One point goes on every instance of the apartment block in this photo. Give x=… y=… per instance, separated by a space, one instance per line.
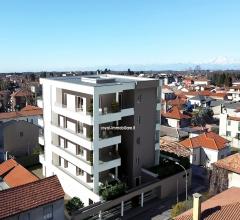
x=99 y=128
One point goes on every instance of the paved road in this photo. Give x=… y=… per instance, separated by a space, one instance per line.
x=161 y=209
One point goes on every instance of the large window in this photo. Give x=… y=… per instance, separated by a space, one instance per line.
x=65 y=163
x=228 y=133
x=229 y=122
x=79 y=150
x=79 y=172
x=79 y=103
x=48 y=212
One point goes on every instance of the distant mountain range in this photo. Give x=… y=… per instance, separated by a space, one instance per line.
x=219 y=63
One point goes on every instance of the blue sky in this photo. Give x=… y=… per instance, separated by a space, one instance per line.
x=74 y=34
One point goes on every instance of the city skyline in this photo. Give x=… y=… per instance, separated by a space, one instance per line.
x=77 y=35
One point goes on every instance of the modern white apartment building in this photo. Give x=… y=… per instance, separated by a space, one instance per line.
x=99 y=128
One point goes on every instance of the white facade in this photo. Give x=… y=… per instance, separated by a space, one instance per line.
x=229 y=128
x=205 y=156
x=76 y=149
x=233 y=180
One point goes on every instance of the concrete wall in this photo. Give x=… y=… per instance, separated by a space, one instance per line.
x=233 y=180
x=37 y=213
x=16 y=144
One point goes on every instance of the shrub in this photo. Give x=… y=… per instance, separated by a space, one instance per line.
x=74 y=204
x=115 y=106
x=178 y=209
x=112 y=191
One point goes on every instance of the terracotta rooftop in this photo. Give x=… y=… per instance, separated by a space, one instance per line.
x=223 y=206
x=27 y=111
x=175 y=113
x=14 y=174
x=21 y=92
x=29 y=196
x=231 y=163
x=178 y=101
x=208 y=140
x=175 y=148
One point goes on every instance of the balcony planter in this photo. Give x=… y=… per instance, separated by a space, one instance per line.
x=115 y=107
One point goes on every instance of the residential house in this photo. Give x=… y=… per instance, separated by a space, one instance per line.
x=224 y=206
x=41 y=199
x=200 y=101
x=20 y=99
x=201 y=81
x=207 y=148
x=229 y=125
x=17 y=138
x=233 y=93
x=81 y=116
x=225 y=173
x=175 y=118
x=31 y=114
x=13 y=174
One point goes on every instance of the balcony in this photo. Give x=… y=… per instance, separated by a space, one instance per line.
x=60 y=171
x=41 y=140
x=77 y=161
x=41 y=158
x=79 y=113
x=40 y=102
x=108 y=116
x=40 y=122
x=72 y=136
x=109 y=161
x=109 y=140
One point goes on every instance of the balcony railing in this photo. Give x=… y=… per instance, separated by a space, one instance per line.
x=113 y=155
x=79 y=110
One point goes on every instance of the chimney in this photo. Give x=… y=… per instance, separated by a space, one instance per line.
x=197 y=206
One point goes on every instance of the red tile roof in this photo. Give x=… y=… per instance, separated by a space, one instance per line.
x=15 y=174
x=27 y=111
x=7 y=165
x=177 y=101
x=231 y=163
x=21 y=92
x=209 y=140
x=223 y=206
x=175 y=113
x=29 y=196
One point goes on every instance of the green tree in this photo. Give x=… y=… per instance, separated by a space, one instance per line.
x=202 y=117
x=74 y=204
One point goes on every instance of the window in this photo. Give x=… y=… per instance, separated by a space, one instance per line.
x=32 y=121
x=79 y=103
x=48 y=212
x=228 y=133
x=139 y=99
x=65 y=163
x=90 y=201
x=239 y=126
x=80 y=127
x=59 y=161
x=229 y=122
x=21 y=134
x=138 y=140
x=79 y=150
x=79 y=172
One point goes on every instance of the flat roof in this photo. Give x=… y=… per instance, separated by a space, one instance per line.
x=101 y=80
